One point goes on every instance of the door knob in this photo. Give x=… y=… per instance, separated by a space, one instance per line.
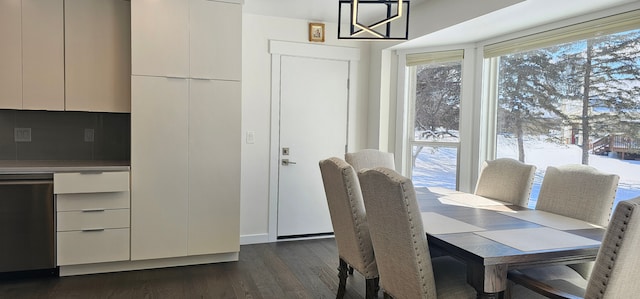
x=286 y=162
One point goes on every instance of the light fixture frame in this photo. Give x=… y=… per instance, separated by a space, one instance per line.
x=356 y=28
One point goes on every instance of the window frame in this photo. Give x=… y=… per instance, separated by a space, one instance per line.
x=469 y=127
x=411 y=120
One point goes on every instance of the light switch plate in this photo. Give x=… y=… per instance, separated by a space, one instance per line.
x=251 y=137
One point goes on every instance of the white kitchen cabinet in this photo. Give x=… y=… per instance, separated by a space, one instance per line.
x=92 y=246
x=97 y=55
x=214 y=167
x=186 y=39
x=31 y=55
x=92 y=217
x=160 y=38
x=185 y=164
x=159 y=167
x=216 y=40
x=42 y=55
x=185 y=122
x=10 y=54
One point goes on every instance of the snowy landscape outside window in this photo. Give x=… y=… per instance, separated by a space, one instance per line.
x=573 y=103
x=434 y=139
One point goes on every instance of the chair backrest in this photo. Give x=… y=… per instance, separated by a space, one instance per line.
x=370 y=158
x=348 y=216
x=578 y=191
x=617 y=269
x=397 y=233
x=506 y=180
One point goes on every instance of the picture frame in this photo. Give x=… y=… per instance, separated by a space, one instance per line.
x=316 y=32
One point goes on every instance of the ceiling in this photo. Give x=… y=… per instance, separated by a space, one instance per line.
x=521 y=16
x=312 y=10
x=517 y=17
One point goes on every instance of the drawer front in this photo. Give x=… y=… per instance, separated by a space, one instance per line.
x=92 y=219
x=84 y=201
x=78 y=182
x=79 y=247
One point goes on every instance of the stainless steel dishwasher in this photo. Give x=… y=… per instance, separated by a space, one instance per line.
x=27 y=242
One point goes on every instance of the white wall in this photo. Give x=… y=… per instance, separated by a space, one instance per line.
x=257 y=30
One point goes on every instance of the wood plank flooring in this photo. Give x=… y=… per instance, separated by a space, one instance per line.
x=293 y=269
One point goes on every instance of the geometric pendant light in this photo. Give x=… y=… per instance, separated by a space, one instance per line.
x=373 y=19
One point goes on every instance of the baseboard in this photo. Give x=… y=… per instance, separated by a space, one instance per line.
x=147 y=264
x=254 y=239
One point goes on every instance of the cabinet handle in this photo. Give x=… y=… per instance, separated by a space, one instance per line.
x=92 y=229
x=92 y=210
x=89 y=172
x=175 y=77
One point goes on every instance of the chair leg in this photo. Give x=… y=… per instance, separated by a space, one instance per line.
x=350 y=270
x=372 y=288
x=342 y=275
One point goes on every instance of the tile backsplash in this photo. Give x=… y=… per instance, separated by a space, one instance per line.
x=64 y=135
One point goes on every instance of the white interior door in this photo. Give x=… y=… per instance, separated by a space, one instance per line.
x=313 y=126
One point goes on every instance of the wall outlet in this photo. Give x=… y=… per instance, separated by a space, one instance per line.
x=22 y=134
x=88 y=135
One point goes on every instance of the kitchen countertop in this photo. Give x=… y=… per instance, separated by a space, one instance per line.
x=48 y=166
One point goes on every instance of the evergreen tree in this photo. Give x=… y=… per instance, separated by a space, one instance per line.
x=607 y=72
x=528 y=95
x=601 y=75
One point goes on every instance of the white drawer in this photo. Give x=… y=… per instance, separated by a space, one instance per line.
x=79 y=247
x=78 y=182
x=84 y=201
x=92 y=219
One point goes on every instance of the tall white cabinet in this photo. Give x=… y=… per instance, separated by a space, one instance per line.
x=185 y=122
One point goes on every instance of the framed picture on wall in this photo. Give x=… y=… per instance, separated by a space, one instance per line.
x=316 y=32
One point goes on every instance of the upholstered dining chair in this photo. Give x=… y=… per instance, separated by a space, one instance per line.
x=349 y=222
x=576 y=191
x=617 y=266
x=402 y=253
x=507 y=180
x=370 y=158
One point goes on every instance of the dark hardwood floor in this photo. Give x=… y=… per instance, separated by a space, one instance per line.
x=293 y=269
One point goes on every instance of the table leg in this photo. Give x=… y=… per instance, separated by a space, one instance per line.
x=489 y=281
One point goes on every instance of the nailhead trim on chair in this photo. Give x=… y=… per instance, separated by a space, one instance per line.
x=413 y=233
x=357 y=219
x=615 y=251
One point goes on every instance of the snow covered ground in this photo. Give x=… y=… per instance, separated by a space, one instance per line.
x=436 y=167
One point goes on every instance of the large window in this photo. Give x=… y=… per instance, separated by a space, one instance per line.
x=433 y=141
x=574 y=100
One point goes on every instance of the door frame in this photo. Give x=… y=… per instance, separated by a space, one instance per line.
x=277 y=49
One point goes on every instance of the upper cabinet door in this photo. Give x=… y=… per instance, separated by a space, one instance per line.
x=97 y=51
x=42 y=55
x=160 y=38
x=216 y=40
x=10 y=55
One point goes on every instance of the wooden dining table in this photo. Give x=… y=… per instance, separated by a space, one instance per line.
x=492 y=237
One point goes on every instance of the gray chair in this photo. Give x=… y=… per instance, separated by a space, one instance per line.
x=580 y=192
x=506 y=180
x=370 y=158
x=617 y=266
x=399 y=240
x=349 y=224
